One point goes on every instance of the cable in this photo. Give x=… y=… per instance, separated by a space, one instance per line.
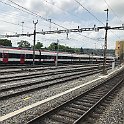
x=7 y=31
x=88 y=37
x=37 y=15
x=61 y=9
x=73 y=15
x=13 y=14
x=89 y=12
x=115 y=15
x=18 y=9
x=113 y=11
x=29 y=11
x=14 y=23
x=32 y=13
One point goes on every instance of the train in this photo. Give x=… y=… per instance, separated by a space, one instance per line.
x=13 y=55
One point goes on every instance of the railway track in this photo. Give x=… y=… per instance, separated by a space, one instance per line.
x=40 y=73
x=37 y=86
x=25 y=69
x=48 y=78
x=85 y=108
x=22 y=69
x=19 y=86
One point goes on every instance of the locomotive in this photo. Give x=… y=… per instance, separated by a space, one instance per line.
x=12 y=55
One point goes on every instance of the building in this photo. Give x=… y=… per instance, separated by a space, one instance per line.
x=119 y=50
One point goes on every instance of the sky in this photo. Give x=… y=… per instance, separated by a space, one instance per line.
x=17 y=16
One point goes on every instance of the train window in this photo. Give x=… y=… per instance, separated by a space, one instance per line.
x=43 y=57
x=49 y=57
x=65 y=57
x=69 y=57
x=29 y=56
x=75 y=57
x=52 y=57
x=37 y=57
x=0 y=55
x=12 y=55
x=5 y=55
x=59 y=57
x=22 y=56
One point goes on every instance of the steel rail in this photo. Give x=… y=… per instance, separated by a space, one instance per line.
x=96 y=104
x=46 y=114
x=57 y=80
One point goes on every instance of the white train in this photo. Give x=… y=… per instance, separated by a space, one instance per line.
x=11 y=55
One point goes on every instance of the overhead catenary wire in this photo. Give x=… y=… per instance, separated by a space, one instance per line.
x=62 y=9
x=93 y=16
x=33 y=13
x=73 y=15
x=7 y=31
x=18 y=9
x=114 y=14
x=12 y=22
x=12 y=15
x=15 y=24
x=113 y=11
x=89 y=12
x=37 y=15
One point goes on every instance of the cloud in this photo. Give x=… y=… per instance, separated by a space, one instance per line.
x=66 y=13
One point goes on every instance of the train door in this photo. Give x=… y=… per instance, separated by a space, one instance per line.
x=5 y=56
x=22 y=58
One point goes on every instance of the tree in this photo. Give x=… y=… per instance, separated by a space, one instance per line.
x=53 y=46
x=23 y=44
x=81 y=50
x=38 y=45
x=5 y=42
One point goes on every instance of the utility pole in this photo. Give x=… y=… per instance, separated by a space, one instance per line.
x=56 y=63
x=35 y=23
x=105 y=45
x=50 y=23
x=22 y=26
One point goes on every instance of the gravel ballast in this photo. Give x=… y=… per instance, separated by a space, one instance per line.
x=114 y=113
x=39 y=95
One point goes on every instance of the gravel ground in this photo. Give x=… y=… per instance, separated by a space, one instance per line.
x=25 y=81
x=24 y=117
x=114 y=113
x=37 y=82
x=29 y=81
x=27 y=99
x=43 y=72
x=37 y=68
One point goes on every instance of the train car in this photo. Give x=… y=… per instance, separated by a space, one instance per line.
x=11 y=55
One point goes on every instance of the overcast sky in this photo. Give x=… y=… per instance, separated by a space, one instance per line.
x=66 y=13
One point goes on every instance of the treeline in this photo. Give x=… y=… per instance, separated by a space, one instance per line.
x=54 y=47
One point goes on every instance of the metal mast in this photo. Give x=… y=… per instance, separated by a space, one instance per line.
x=35 y=23
x=105 y=45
